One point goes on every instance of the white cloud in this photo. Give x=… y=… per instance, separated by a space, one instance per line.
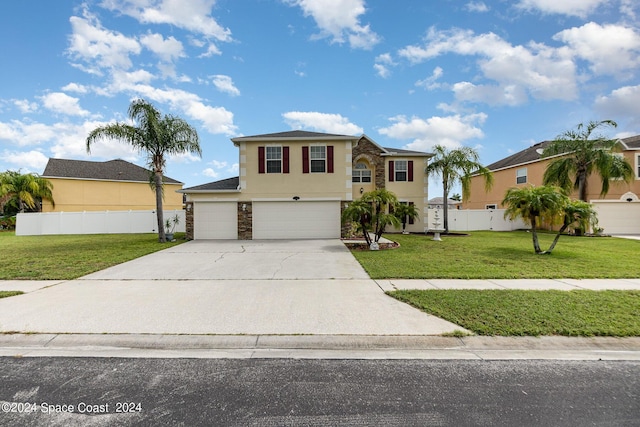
x=431 y=82
x=321 y=122
x=26 y=161
x=383 y=64
x=75 y=87
x=580 y=8
x=225 y=84
x=340 y=20
x=210 y=173
x=67 y=140
x=98 y=47
x=622 y=102
x=168 y=50
x=25 y=106
x=449 y=131
x=490 y=94
x=193 y=15
x=610 y=49
x=477 y=6
x=62 y=103
x=536 y=69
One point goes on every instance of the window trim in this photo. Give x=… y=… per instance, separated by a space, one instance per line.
x=519 y=176
x=396 y=170
x=357 y=173
x=323 y=159
x=274 y=160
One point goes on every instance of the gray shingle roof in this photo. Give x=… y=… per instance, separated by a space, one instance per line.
x=112 y=170
x=531 y=154
x=407 y=152
x=224 y=184
x=297 y=134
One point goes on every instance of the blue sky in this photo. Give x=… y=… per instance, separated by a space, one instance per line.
x=494 y=75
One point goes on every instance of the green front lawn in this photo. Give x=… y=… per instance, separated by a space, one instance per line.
x=502 y=255
x=71 y=256
x=518 y=313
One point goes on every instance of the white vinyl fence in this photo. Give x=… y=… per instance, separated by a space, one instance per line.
x=478 y=219
x=102 y=222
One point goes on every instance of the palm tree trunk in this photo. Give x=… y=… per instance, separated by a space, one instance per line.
x=159 y=212
x=534 y=235
x=555 y=240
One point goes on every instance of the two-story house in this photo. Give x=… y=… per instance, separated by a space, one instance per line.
x=295 y=185
x=616 y=211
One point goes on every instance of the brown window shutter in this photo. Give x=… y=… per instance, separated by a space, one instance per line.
x=411 y=220
x=261 y=162
x=285 y=159
x=410 y=170
x=330 y=159
x=391 y=171
x=305 y=159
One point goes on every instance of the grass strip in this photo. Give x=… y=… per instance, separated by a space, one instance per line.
x=502 y=255
x=532 y=313
x=64 y=257
x=6 y=294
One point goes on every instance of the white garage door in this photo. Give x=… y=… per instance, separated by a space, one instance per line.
x=618 y=218
x=215 y=220
x=296 y=220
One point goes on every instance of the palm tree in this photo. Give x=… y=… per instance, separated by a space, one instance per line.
x=158 y=136
x=370 y=213
x=547 y=203
x=24 y=190
x=582 y=154
x=404 y=212
x=453 y=166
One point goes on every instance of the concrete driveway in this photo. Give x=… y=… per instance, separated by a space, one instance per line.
x=242 y=260
x=227 y=288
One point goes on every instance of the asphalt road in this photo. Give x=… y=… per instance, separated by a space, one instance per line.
x=289 y=392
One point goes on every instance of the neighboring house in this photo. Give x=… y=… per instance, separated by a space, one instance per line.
x=296 y=184
x=527 y=168
x=114 y=185
x=438 y=203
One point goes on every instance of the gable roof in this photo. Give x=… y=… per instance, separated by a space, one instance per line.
x=112 y=170
x=533 y=154
x=294 y=135
x=389 y=151
x=229 y=184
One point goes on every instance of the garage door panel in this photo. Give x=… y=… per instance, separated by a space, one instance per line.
x=215 y=220
x=296 y=220
x=618 y=218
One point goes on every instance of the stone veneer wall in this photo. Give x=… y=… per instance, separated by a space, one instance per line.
x=372 y=153
x=245 y=221
x=188 y=220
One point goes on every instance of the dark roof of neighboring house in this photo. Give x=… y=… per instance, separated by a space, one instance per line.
x=112 y=170
x=632 y=141
x=224 y=184
x=532 y=154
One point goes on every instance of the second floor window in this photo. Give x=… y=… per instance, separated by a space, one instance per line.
x=400 y=170
x=318 y=156
x=521 y=176
x=361 y=173
x=274 y=159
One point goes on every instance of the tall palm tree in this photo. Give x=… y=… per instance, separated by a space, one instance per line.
x=156 y=135
x=453 y=166
x=582 y=154
x=547 y=203
x=24 y=190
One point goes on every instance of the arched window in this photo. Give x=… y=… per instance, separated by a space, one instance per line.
x=361 y=173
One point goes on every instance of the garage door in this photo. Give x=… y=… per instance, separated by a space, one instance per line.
x=215 y=220
x=618 y=218
x=296 y=220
